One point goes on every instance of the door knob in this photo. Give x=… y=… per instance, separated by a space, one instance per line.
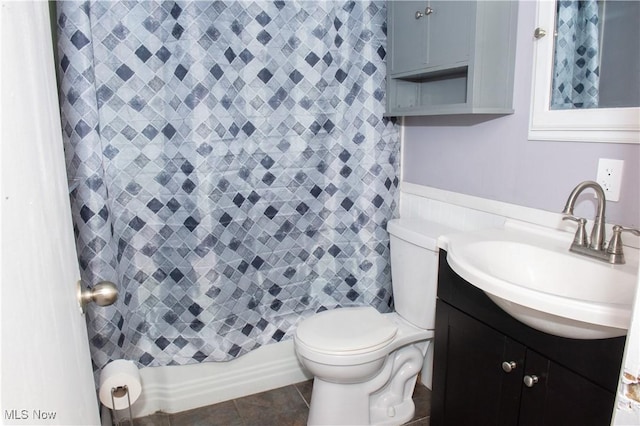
x=509 y=366
x=104 y=293
x=530 y=380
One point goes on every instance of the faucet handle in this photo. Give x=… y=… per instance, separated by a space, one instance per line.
x=633 y=231
x=615 y=244
x=580 y=238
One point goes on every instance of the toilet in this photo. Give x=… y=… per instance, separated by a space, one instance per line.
x=365 y=363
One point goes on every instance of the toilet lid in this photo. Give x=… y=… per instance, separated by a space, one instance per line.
x=346 y=330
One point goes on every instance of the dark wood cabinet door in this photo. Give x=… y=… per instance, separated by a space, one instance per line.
x=470 y=386
x=562 y=397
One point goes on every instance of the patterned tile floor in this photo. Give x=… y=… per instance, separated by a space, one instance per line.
x=283 y=406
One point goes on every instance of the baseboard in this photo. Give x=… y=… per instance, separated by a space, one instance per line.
x=174 y=389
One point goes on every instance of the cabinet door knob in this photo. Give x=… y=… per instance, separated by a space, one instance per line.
x=509 y=366
x=428 y=11
x=530 y=380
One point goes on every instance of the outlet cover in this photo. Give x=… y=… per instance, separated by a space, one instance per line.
x=610 y=177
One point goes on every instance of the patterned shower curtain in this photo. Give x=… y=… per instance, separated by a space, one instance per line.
x=229 y=168
x=576 y=70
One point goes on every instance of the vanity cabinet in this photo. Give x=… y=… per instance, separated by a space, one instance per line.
x=450 y=57
x=491 y=369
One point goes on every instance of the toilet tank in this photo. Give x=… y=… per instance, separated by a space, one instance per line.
x=414 y=268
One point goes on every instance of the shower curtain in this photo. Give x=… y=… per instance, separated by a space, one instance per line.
x=576 y=70
x=229 y=168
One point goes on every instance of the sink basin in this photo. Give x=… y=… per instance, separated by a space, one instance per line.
x=529 y=272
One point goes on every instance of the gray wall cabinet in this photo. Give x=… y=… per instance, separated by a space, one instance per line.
x=450 y=57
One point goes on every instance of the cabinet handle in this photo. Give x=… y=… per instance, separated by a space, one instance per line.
x=419 y=14
x=428 y=11
x=530 y=380
x=509 y=366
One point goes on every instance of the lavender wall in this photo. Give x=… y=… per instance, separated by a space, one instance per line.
x=494 y=159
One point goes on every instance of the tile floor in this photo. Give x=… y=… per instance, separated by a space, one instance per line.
x=279 y=407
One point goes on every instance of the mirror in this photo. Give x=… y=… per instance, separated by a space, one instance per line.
x=596 y=54
x=586 y=84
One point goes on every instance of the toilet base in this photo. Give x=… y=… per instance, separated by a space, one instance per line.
x=385 y=399
x=394 y=415
x=338 y=404
x=393 y=404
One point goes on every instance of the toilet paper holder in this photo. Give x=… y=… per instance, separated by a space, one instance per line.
x=120 y=392
x=120 y=387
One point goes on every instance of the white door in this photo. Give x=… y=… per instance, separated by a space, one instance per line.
x=46 y=367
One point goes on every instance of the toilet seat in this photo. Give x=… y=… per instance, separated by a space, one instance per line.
x=346 y=331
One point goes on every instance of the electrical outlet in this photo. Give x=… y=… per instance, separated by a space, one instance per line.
x=610 y=177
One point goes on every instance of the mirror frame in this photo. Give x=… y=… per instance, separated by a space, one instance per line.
x=614 y=125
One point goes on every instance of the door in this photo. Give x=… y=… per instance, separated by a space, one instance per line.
x=46 y=366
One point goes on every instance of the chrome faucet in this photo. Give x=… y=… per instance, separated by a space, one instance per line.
x=597 y=232
x=596 y=247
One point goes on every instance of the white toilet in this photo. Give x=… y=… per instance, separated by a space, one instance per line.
x=365 y=363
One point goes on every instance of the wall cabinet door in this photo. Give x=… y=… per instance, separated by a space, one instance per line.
x=407 y=51
x=428 y=35
x=449 y=33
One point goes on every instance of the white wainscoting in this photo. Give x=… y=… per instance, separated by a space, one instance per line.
x=468 y=213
